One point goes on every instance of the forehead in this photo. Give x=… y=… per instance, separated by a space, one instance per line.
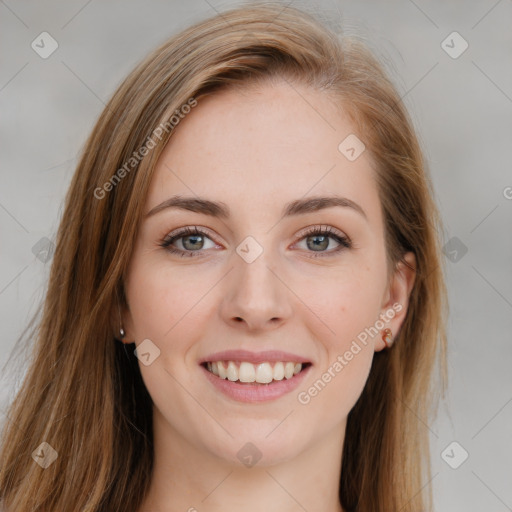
x=265 y=145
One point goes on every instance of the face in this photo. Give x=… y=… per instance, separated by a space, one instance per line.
x=263 y=284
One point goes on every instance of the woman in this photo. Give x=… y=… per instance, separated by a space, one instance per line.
x=253 y=215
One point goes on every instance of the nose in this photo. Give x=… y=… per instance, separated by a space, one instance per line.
x=256 y=295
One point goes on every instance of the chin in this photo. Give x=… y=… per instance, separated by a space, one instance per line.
x=257 y=446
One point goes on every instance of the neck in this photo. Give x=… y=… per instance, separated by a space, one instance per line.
x=188 y=478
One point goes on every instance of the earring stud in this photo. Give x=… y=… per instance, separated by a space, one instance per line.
x=386 y=337
x=122 y=334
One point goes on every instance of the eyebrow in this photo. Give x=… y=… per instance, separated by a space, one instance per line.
x=221 y=210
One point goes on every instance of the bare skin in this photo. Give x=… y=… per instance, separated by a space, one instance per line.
x=255 y=152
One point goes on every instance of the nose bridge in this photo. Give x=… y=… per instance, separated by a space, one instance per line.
x=256 y=295
x=254 y=280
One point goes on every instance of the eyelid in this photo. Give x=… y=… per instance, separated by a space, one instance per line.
x=344 y=242
x=305 y=231
x=324 y=227
x=338 y=236
x=187 y=231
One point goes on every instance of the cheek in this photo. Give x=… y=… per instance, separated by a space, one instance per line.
x=162 y=300
x=335 y=390
x=358 y=307
x=352 y=312
x=347 y=303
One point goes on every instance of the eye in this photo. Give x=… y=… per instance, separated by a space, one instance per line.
x=191 y=239
x=318 y=238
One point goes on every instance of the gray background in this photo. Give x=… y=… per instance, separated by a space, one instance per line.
x=461 y=107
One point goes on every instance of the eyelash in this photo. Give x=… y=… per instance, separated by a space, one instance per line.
x=315 y=230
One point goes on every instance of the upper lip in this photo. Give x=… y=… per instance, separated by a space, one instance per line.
x=254 y=357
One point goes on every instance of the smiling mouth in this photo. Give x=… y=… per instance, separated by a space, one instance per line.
x=243 y=372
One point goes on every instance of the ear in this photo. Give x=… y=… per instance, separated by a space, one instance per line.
x=122 y=318
x=396 y=297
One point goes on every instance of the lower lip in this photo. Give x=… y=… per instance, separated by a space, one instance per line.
x=256 y=392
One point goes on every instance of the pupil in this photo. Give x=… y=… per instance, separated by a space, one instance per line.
x=196 y=237
x=322 y=243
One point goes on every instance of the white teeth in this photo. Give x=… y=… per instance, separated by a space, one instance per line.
x=232 y=371
x=221 y=370
x=262 y=373
x=279 y=371
x=246 y=372
x=288 y=370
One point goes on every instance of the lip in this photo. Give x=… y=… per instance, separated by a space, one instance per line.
x=270 y=356
x=249 y=392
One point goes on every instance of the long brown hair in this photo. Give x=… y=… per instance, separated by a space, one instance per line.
x=83 y=393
